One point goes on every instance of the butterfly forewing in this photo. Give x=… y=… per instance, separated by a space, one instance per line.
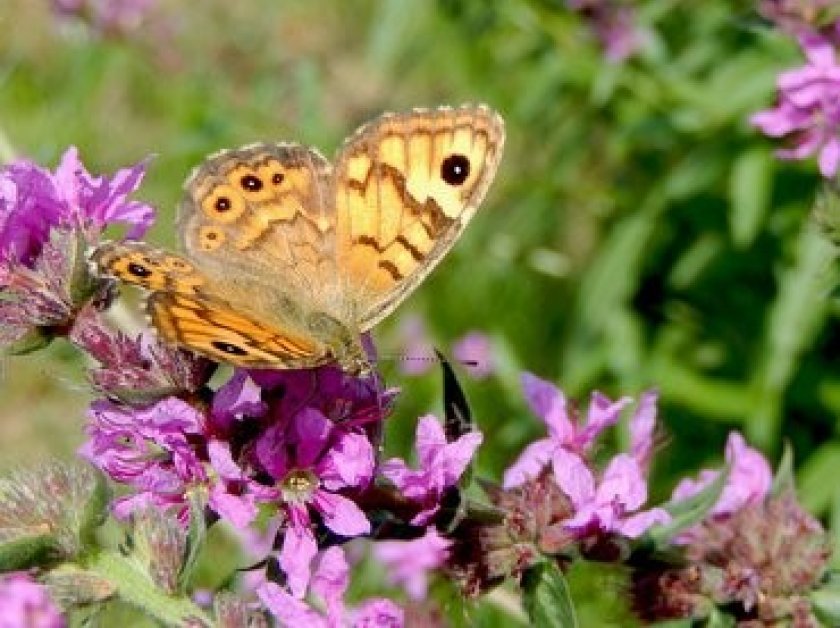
x=406 y=186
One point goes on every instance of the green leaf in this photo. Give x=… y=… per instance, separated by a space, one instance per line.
x=96 y=511
x=196 y=536
x=784 y=481
x=546 y=598
x=749 y=195
x=28 y=551
x=826 y=600
x=33 y=340
x=816 y=491
x=687 y=512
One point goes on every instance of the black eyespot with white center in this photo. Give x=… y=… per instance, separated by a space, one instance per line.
x=222 y=204
x=455 y=169
x=230 y=349
x=277 y=178
x=138 y=270
x=251 y=183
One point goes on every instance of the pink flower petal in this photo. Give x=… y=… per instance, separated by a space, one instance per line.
x=289 y=610
x=573 y=477
x=548 y=403
x=299 y=548
x=349 y=463
x=341 y=515
x=530 y=463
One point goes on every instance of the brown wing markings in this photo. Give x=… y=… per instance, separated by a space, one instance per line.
x=229 y=336
x=141 y=265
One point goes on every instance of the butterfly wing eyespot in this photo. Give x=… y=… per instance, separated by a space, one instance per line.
x=141 y=265
x=212 y=328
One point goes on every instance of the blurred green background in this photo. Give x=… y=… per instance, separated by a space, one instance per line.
x=639 y=233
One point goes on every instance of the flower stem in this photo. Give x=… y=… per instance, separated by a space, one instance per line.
x=7 y=151
x=136 y=588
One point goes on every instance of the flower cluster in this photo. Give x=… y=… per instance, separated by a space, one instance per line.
x=757 y=553
x=300 y=452
x=47 y=221
x=108 y=17
x=809 y=107
x=614 y=25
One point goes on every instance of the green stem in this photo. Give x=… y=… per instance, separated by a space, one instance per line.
x=7 y=151
x=135 y=587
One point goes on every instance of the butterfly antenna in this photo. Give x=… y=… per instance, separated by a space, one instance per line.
x=435 y=359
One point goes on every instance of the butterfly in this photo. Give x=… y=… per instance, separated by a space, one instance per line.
x=289 y=258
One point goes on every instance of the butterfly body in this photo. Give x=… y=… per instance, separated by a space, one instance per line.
x=290 y=259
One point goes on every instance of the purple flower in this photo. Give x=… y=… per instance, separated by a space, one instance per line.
x=312 y=462
x=139 y=370
x=147 y=448
x=567 y=440
x=419 y=353
x=809 y=107
x=441 y=465
x=407 y=563
x=111 y=17
x=614 y=25
x=749 y=481
x=475 y=348
x=25 y=604
x=608 y=507
x=800 y=17
x=34 y=201
x=329 y=584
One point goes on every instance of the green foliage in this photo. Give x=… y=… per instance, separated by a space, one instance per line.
x=640 y=233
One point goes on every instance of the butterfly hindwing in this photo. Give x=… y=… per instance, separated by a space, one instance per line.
x=215 y=330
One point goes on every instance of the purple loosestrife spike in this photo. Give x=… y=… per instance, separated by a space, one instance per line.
x=58 y=500
x=35 y=201
x=485 y=552
x=139 y=370
x=755 y=554
x=441 y=465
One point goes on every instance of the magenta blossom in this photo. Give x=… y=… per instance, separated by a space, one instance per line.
x=567 y=440
x=25 y=603
x=419 y=351
x=313 y=462
x=34 y=201
x=614 y=25
x=106 y=16
x=441 y=465
x=329 y=584
x=808 y=107
x=476 y=349
x=749 y=481
x=609 y=507
x=148 y=449
x=407 y=563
